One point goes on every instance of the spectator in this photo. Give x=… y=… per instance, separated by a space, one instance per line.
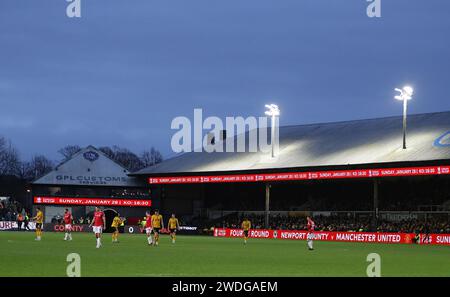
x=20 y=220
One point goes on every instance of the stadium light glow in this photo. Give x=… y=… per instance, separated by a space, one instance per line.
x=273 y=111
x=404 y=95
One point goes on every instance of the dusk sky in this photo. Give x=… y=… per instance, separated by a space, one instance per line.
x=119 y=74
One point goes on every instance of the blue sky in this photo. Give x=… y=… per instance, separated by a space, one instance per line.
x=123 y=71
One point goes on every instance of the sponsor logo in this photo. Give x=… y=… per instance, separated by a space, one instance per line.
x=443 y=140
x=91 y=180
x=91 y=156
x=367 y=237
x=408 y=238
x=12 y=225
x=188 y=228
x=221 y=232
x=62 y=228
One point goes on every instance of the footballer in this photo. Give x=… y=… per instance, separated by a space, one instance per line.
x=148 y=227
x=310 y=226
x=173 y=227
x=246 y=225
x=39 y=219
x=99 y=223
x=157 y=225
x=115 y=224
x=68 y=224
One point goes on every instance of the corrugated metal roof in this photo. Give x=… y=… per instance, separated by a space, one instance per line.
x=330 y=144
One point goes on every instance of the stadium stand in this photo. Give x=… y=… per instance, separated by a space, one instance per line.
x=341 y=223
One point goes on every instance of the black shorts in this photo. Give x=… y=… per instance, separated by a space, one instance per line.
x=116 y=229
x=173 y=230
x=246 y=233
x=156 y=230
x=38 y=225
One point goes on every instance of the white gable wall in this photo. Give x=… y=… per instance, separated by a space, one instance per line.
x=89 y=167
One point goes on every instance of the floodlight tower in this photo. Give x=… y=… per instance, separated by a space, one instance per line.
x=273 y=111
x=405 y=95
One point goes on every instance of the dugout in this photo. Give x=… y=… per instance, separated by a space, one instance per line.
x=361 y=162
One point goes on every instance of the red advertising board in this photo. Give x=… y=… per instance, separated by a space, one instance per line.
x=91 y=201
x=367 y=237
x=310 y=175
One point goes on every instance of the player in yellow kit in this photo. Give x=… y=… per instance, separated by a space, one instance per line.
x=246 y=225
x=157 y=225
x=115 y=224
x=39 y=219
x=173 y=227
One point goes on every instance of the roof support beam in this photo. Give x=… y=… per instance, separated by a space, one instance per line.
x=267 y=213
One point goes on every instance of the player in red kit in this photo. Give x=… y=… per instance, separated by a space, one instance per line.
x=68 y=224
x=148 y=227
x=99 y=223
x=310 y=226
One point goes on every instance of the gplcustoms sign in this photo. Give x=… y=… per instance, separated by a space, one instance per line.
x=312 y=175
x=367 y=237
x=91 y=201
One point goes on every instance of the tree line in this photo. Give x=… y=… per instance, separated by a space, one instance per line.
x=39 y=165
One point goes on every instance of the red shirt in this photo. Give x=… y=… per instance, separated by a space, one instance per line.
x=310 y=225
x=68 y=218
x=98 y=218
x=148 y=222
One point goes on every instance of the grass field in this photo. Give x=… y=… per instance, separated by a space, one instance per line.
x=20 y=255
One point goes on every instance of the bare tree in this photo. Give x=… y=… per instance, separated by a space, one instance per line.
x=107 y=151
x=37 y=167
x=124 y=157
x=69 y=150
x=9 y=158
x=152 y=157
x=2 y=144
x=127 y=159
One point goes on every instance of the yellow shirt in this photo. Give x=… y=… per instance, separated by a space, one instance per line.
x=173 y=223
x=40 y=217
x=116 y=222
x=156 y=221
x=246 y=225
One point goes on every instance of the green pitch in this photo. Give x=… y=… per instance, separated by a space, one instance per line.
x=20 y=255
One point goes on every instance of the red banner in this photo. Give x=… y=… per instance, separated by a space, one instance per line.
x=312 y=175
x=367 y=237
x=91 y=201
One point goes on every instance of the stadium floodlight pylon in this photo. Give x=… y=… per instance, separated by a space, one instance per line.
x=405 y=95
x=273 y=111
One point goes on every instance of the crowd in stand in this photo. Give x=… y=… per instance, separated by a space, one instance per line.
x=342 y=223
x=10 y=209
